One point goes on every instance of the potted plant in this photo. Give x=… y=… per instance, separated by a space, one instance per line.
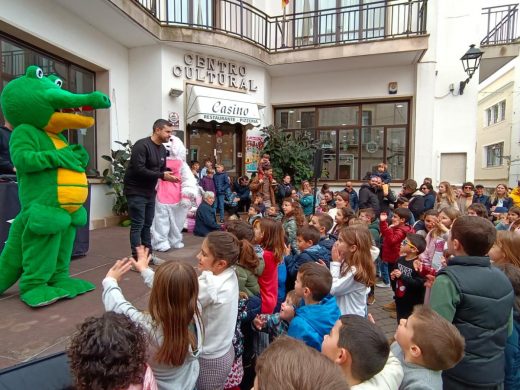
x=290 y=155
x=114 y=176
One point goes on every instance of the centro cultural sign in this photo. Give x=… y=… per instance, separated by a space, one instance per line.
x=214 y=71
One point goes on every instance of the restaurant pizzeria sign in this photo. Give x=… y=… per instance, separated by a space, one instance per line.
x=215 y=72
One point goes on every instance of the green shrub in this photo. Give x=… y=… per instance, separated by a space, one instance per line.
x=290 y=155
x=114 y=176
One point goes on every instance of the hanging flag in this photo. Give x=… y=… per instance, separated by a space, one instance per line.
x=285 y=3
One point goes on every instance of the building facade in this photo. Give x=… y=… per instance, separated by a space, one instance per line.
x=494 y=131
x=370 y=80
x=498 y=134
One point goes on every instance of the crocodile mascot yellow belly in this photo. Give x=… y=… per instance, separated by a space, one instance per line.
x=52 y=186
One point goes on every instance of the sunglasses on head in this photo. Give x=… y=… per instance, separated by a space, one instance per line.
x=406 y=242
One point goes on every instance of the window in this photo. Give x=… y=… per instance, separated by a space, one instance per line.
x=192 y=12
x=354 y=137
x=493 y=154
x=327 y=21
x=17 y=56
x=495 y=113
x=338 y=116
x=295 y=118
x=502 y=110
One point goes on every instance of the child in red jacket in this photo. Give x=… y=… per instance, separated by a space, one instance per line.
x=392 y=237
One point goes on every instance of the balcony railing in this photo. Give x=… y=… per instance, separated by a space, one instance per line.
x=310 y=28
x=501 y=22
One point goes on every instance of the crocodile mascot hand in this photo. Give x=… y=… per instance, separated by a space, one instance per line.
x=52 y=186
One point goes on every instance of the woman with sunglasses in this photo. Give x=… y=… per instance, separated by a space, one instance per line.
x=465 y=198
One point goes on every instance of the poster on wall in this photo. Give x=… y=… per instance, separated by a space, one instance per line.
x=254 y=145
x=173 y=117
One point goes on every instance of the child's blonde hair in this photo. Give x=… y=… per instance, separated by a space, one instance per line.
x=452 y=213
x=509 y=243
x=361 y=259
x=450 y=195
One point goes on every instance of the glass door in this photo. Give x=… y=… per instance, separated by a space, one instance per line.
x=220 y=142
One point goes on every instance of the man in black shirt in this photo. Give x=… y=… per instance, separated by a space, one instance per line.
x=147 y=165
x=6 y=165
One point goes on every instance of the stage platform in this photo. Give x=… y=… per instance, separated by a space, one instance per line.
x=27 y=333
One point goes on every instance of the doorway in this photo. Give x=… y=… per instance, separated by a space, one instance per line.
x=220 y=142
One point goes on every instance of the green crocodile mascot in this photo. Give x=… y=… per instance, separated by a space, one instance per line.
x=52 y=186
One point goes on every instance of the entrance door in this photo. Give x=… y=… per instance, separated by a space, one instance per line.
x=220 y=142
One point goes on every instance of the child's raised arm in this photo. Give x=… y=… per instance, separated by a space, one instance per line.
x=120 y=268
x=141 y=265
x=113 y=298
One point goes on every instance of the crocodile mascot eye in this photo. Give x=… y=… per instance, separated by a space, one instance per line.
x=56 y=80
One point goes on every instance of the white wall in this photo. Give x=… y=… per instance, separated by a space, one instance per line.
x=446 y=123
x=100 y=203
x=367 y=83
x=145 y=90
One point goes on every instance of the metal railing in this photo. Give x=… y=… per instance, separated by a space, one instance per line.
x=501 y=22
x=311 y=28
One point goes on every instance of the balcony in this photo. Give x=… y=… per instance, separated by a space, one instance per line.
x=282 y=39
x=501 y=42
x=333 y=26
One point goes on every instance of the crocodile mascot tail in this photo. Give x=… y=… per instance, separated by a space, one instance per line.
x=52 y=186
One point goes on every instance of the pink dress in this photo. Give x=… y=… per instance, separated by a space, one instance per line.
x=148 y=382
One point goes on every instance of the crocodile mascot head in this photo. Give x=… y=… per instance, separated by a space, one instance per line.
x=52 y=185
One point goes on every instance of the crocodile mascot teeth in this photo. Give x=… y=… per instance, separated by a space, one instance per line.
x=52 y=186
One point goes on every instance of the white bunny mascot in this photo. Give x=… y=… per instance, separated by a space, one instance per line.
x=173 y=199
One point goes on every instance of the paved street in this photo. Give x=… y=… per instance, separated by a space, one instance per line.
x=27 y=333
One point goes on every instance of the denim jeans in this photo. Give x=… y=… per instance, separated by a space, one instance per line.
x=220 y=205
x=385 y=275
x=141 y=211
x=378 y=263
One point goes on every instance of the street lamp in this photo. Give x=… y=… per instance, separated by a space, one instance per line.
x=470 y=63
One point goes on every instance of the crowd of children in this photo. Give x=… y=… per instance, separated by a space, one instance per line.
x=275 y=290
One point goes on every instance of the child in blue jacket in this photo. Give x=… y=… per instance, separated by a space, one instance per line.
x=319 y=312
x=324 y=223
x=310 y=251
x=222 y=187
